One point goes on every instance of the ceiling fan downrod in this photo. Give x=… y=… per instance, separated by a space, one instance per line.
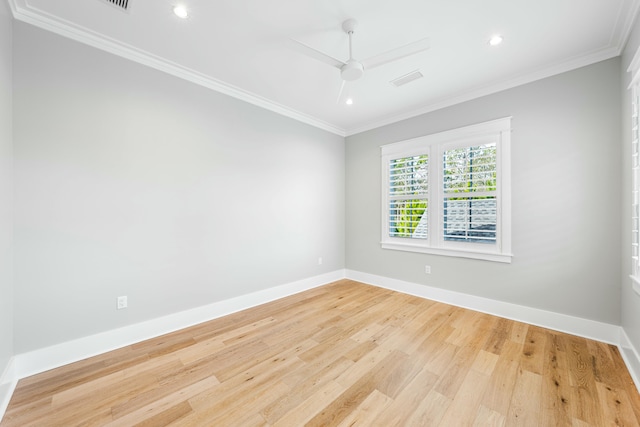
x=352 y=69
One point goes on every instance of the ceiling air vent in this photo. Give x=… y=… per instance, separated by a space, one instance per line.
x=407 y=78
x=120 y=4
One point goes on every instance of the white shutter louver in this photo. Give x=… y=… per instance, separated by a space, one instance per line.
x=470 y=210
x=408 y=197
x=635 y=173
x=449 y=193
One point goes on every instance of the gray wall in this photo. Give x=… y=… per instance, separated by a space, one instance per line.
x=566 y=197
x=630 y=300
x=6 y=188
x=132 y=182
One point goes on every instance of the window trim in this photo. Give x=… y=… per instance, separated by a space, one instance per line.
x=434 y=145
x=634 y=87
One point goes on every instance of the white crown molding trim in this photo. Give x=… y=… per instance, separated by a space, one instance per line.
x=36 y=361
x=586 y=328
x=631 y=357
x=622 y=30
x=8 y=382
x=83 y=35
x=565 y=66
x=45 y=21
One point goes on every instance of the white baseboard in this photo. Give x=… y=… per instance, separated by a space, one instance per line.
x=43 y=359
x=27 y=364
x=631 y=357
x=8 y=382
x=586 y=328
x=604 y=332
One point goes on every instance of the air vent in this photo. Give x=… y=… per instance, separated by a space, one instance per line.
x=407 y=78
x=120 y=4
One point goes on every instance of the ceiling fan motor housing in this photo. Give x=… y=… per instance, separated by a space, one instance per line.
x=352 y=70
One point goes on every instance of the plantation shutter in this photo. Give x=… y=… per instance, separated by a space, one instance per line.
x=470 y=205
x=635 y=173
x=409 y=197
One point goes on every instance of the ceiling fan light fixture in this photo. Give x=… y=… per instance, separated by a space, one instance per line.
x=352 y=70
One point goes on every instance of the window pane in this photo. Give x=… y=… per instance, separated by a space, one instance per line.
x=470 y=169
x=408 y=193
x=408 y=218
x=468 y=219
x=409 y=176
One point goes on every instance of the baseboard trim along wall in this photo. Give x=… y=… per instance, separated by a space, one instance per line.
x=8 y=382
x=630 y=356
x=41 y=360
x=605 y=332
x=37 y=361
x=560 y=322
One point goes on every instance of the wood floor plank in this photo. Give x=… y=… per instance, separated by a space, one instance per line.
x=367 y=413
x=343 y=354
x=466 y=403
x=533 y=350
x=584 y=393
x=488 y=418
x=556 y=385
x=355 y=393
x=497 y=395
x=303 y=384
x=526 y=401
x=173 y=413
x=164 y=405
x=617 y=409
x=305 y=411
x=408 y=400
x=430 y=411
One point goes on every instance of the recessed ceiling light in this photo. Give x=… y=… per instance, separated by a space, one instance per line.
x=349 y=101
x=495 y=40
x=181 y=11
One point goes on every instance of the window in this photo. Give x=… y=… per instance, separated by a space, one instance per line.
x=449 y=193
x=634 y=69
x=635 y=188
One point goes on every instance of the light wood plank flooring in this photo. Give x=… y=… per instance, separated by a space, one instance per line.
x=344 y=354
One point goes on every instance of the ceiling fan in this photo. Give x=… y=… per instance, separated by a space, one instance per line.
x=353 y=69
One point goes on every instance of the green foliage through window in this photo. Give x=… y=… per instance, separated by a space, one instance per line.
x=469 y=184
x=408 y=196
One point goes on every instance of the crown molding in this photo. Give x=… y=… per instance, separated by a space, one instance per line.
x=84 y=35
x=478 y=92
x=627 y=16
x=619 y=36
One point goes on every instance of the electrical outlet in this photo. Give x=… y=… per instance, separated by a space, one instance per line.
x=320 y=261
x=122 y=302
x=427 y=269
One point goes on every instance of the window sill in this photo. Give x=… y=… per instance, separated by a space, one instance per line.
x=486 y=256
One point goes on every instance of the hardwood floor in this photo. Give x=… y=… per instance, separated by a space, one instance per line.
x=344 y=354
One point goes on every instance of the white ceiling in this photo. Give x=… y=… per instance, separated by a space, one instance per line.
x=239 y=47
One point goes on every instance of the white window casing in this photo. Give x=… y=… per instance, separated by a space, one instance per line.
x=450 y=193
x=634 y=87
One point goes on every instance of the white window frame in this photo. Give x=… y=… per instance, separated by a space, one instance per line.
x=498 y=131
x=634 y=87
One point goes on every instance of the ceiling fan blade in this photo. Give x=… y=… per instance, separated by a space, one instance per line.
x=341 y=92
x=315 y=54
x=395 y=54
